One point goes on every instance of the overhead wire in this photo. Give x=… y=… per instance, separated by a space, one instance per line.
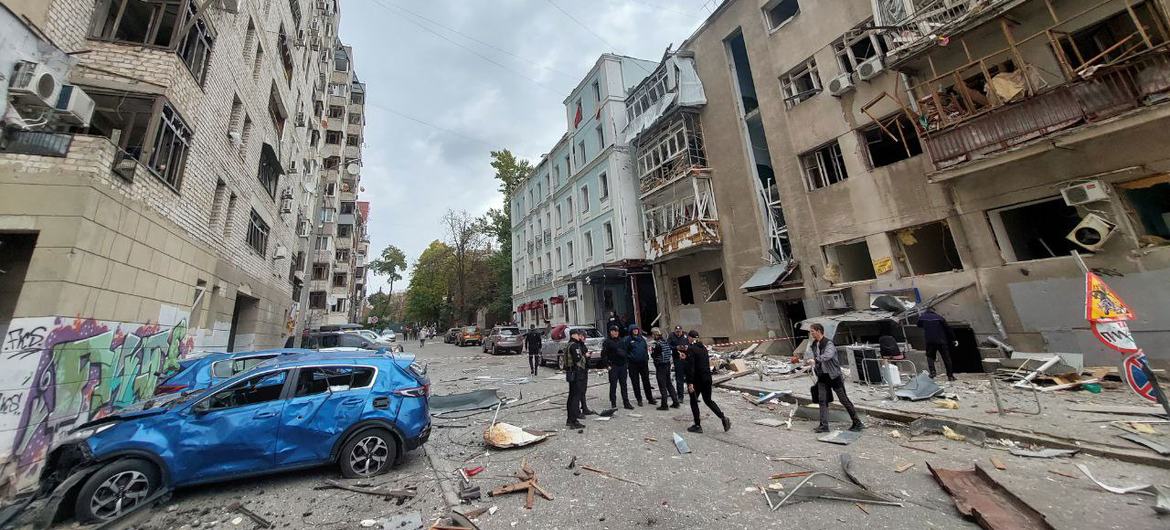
x=595 y=34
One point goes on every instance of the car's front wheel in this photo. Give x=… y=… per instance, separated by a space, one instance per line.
x=560 y=361
x=369 y=453
x=116 y=489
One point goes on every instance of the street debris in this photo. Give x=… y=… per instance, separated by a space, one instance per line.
x=946 y=404
x=1123 y=410
x=1148 y=443
x=1161 y=495
x=837 y=490
x=846 y=464
x=607 y=413
x=792 y=474
x=506 y=436
x=921 y=387
x=403 y=521
x=397 y=494
x=903 y=467
x=772 y=396
x=1043 y=452
x=916 y=448
x=527 y=483
x=769 y=422
x=649 y=439
x=473 y=471
x=456 y=521
x=957 y=431
x=609 y=475
x=980 y=497
x=261 y=522
x=840 y=437
x=1062 y=473
x=466 y=401
x=997 y=463
x=572 y=462
x=680 y=444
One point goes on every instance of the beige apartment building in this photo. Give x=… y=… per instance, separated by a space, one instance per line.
x=160 y=178
x=915 y=149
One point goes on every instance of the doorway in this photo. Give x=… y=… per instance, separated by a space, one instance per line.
x=16 y=251
x=245 y=315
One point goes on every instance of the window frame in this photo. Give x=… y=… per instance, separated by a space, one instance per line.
x=772 y=25
x=833 y=148
x=330 y=388
x=258 y=234
x=789 y=83
x=204 y=405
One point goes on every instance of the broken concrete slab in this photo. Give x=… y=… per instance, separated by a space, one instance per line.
x=840 y=437
x=465 y=401
x=505 y=436
x=920 y=388
x=980 y=497
x=922 y=426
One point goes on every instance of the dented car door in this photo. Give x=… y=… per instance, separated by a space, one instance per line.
x=325 y=401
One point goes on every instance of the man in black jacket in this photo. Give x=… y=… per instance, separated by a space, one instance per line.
x=939 y=338
x=532 y=342
x=660 y=354
x=614 y=352
x=639 y=361
x=699 y=381
x=677 y=341
x=577 y=375
x=822 y=354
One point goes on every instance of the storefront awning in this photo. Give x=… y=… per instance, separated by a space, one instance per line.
x=769 y=275
x=830 y=322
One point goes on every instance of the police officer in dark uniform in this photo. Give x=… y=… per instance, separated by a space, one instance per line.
x=699 y=382
x=577 y=375
x=532 y=343
x=677 y=341
x=615 y=352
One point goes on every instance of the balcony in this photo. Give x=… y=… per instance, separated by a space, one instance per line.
x=670 y=152
x=681 y=219
x=919 y=24
x=539 y=279
x=531 y=246
x=548 y=236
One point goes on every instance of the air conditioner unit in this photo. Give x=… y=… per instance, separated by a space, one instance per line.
x=280 y=252
x=33 y=85
x=75 y=106
x=841 y=84
x=835 y=300
x=126 y=167
x=286 y=205
x=300 y=119
x=870 y=68
x=1092 y=233
x=1084 y=192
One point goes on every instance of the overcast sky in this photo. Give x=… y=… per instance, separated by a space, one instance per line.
x=450 y=80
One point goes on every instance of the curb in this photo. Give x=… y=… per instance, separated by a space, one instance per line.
x=1085 y=446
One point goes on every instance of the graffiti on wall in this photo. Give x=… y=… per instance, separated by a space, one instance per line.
x=60 y=373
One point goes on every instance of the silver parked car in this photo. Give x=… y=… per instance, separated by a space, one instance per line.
x=556 y=342
x=504 y=339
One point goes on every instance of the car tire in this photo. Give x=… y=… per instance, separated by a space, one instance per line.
x=128 y=479
x=368 y=453
x=560 y=362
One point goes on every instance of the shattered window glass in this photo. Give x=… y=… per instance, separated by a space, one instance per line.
x=258 y=389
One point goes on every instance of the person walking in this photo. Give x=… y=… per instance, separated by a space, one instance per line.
x=661 y=355
x=699 y=381
x=677 y=341
x=639 y=362
x=615 y=353
x=822 y=354
x=422 y=337
x=939 y=338
x=577 y=375
x=532 y=342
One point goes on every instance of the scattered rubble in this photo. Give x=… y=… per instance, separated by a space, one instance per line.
x=1043 y=453
x=261 y=522
x=1161 y=495
x=980 y=497
x=680 y=444
x=505 y=436
x=527 y=483
x=609 y=475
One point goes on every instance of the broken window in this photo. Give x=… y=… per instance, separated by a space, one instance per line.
x=891 y=140
x=276 y=111
x=336 y=111
x=333 y=137
x=257 y=237
x=355 y=118
x=195 y=49
x=347 y=207
x=1149 y=199
x=856 y=47
x=353 y=140
x=357 y=98
x=339 y=279
x=713 y=282
x=684 y=290
x=927 y=249
x=286 y=55
x=169 y=150
x=1035 y=230
x=341 y=255
x=256 y=389
x=317 y=299
x=823 y=166
x=138 y=21
x=584 y=199
x=320 y=270
x=608 y=237
x=127 y=118
x=800 y=84
x=345 y=231
x=569 y=252
x=778 y=12
x=332 y=162
x=849 y=262
x=269 y=171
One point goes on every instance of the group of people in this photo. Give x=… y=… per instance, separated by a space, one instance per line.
x=630 y=357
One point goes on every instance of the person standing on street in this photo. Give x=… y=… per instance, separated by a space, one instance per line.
x=639 y=355
x=677 y=341
x=939 y=338
x=615 y=353
x=532 y=342
x=823 y=355
x=422 y=337
x=577 y=375
x=661 y=354
x=699 y=381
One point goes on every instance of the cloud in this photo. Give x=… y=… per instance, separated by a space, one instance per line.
x=499 y=85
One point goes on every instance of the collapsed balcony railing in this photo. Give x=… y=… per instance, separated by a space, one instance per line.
x=673 y=153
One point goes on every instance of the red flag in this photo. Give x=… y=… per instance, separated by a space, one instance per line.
x=577 y=118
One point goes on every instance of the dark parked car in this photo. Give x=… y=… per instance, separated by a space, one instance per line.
x=344 y=339
x=504 y=339
x=469 y=335
x=361 y=412
x=452 y=336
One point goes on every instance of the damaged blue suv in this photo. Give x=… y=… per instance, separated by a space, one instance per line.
x=362 y=412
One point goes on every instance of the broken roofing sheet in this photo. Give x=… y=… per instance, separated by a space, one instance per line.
x=505 y=435
x=920 y=388
x=980 y=497
x=475 y=400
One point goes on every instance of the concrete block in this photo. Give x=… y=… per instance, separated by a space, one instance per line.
x=129 y=222
x=121 y=277
x=75 y=300
x=120 y=249
x=126 y=310
x=93 y=270
x=38 y=299
x=145 y=284
x=53 y=264
x=140 y=255
x=106 y=301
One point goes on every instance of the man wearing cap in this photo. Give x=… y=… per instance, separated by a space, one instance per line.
x=699 y=382
x=577 y=375
x=677 y=341
x=660 y=354
x=639 y=361
x=615 y=353
x=532 y=342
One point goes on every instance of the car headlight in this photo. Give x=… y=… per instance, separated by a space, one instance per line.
x=82 y=434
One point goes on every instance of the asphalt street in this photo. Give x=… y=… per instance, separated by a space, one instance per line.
x=717 y=485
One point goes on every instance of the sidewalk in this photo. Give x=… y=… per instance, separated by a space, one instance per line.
x=1056 y=426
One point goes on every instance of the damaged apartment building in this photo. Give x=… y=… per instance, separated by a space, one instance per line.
x=954 y=152
x=578 y=252
x=160 y=164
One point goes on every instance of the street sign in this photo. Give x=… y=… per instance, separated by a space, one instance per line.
x=1115 y=335
x=373 y=320
x=1134 y=374
x=1101 y=303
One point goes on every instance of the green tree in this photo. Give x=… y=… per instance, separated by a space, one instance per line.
x=428 y=298
x=509 y=171
x=389 y=263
